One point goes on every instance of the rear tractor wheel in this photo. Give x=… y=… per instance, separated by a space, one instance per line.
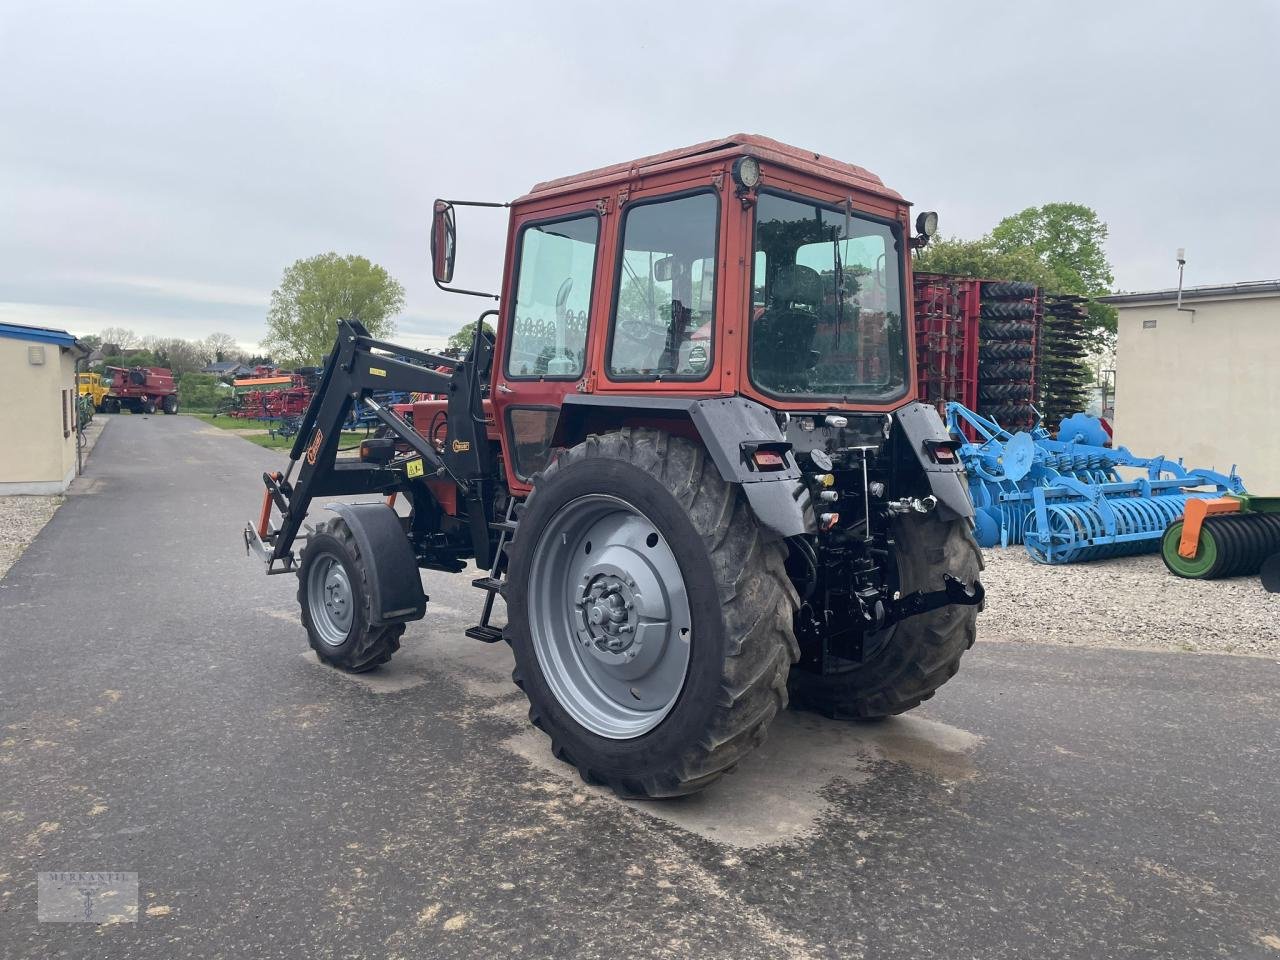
x=333 y=591
x=651 y=621
x=907 y=663
x=170 y=404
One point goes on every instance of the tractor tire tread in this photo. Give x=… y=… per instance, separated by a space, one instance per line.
x=378 y=644
x=757 y=600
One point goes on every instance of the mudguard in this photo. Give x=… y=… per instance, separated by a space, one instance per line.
x=731 y=429
x=395 y=586
x=921 y=428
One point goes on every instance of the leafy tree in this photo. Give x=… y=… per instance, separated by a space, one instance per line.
x=138 y=358
x=1068 y=239
x=980 y=258
x=460 y=343
x=1057 y=247
x=200 y=391
x=315 y=293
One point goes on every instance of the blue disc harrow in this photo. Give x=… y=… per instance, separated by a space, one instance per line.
x=1067 y=500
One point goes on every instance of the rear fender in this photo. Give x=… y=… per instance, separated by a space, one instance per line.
x=922 y=431
x=729 y=428
x=394 y=583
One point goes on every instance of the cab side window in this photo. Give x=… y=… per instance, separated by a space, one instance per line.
x=665 y=308
x=553 y=299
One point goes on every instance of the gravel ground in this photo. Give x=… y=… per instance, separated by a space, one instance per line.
x=1125 y=602
x=22 y=518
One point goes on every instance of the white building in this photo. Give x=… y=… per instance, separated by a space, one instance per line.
x=37 y=409
x=1203 y=382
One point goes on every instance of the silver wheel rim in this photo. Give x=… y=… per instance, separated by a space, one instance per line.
x=330 y=601
x=609 y=617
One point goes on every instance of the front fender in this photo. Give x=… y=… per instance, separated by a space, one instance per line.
x=395 y=587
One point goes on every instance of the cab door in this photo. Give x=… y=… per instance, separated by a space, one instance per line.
x=660 y=333
x=550 y=307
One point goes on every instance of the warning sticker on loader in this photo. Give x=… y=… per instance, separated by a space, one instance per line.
x=413 y=468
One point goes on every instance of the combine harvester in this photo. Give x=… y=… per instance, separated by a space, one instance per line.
x=1065 y=499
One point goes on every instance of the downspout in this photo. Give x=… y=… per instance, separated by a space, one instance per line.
x=79 y=420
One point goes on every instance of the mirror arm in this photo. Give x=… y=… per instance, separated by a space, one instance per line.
x=470 y=293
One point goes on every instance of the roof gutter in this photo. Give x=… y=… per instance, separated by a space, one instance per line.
x=1195 y=293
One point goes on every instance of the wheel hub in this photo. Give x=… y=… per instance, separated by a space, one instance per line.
x=610 y=618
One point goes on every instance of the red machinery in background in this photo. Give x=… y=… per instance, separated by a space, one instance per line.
x=140 y=390
x=978 y=343
x=272 y=397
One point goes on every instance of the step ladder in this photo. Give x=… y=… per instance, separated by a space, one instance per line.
x=497 y=576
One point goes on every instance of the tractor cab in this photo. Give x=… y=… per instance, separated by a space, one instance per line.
x=740 y=266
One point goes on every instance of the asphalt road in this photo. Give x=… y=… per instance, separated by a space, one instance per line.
x=159 y=713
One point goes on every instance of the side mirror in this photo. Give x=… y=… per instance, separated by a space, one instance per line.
x=444 y=236
x=662 y=269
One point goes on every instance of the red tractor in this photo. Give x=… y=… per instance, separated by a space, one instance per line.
x=140 y=390
x=691 y=462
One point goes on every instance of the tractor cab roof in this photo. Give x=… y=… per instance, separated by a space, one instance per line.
x=763 y=148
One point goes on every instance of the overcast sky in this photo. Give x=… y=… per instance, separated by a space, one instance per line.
x=162 y=163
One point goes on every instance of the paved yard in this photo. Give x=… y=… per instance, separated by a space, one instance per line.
x=159 y=714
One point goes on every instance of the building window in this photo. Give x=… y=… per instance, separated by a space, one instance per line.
x=66 y=413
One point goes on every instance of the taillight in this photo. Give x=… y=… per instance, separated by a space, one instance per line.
x=769 y=460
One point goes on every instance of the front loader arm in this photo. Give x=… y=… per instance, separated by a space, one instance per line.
x=355 y=369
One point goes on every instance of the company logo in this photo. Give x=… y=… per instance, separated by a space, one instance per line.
x=74 y=896
x=313 y=448
x=461 y=446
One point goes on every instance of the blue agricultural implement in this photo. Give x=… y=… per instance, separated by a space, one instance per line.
x=1067 y=500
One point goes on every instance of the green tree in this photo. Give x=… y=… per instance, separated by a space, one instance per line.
x=980 y=258
x=317 y=292
x=1068 y=239
x=200 y=391
x=461 y=341
x=1058 y=247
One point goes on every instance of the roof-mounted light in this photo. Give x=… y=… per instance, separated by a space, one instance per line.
x=926 y=227
x=746 y=172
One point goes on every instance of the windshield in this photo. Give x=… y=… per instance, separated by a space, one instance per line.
x=827 y=308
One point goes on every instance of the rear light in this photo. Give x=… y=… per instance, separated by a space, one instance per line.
x=941 y=451
x=769 y=460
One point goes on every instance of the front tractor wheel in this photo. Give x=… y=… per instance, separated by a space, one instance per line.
x=170 y=404
x=905 y=664
x=333 y=591
x=651 y=621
